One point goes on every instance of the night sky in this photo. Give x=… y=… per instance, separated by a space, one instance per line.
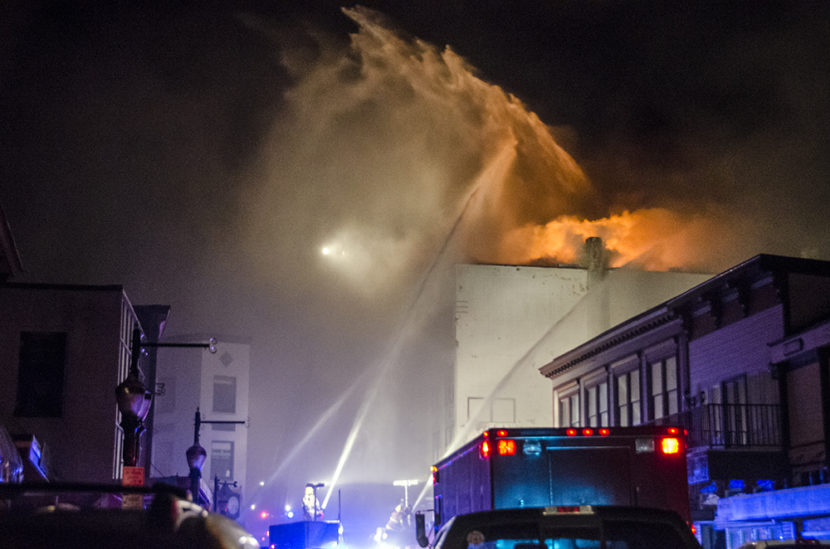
x=203 y=155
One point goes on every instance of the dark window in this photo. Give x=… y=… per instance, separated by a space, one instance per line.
x=40 y=374
x=628 y=399
x=224 y=394
x=569 y=410
x=734 y=420
x=597 y=405
x=664 y=395
x=221 y=459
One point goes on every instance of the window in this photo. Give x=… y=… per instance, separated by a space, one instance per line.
x=501 y=410
x=569 y=410
x=628 y=399
x=664 y=394
x=224 y=394
x=597 y=405
x=734 y=420
x=40 y=374
x=221 y=460
x=474 y=405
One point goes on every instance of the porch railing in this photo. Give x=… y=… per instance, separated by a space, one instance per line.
x=730 y=425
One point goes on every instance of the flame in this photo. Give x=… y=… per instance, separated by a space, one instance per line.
x=650 y=239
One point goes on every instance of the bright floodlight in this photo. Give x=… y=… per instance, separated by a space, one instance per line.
x=333 y=249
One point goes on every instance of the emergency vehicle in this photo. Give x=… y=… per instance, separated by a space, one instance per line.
x=508 y=468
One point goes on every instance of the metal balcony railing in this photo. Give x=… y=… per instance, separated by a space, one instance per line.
x=730 y=425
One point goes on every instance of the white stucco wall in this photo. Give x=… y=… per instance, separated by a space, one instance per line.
x=501 y=312
x=512 y=320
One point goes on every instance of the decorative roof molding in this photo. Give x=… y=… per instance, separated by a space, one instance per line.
x=748 y=274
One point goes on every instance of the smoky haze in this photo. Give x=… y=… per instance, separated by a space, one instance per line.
x=309 y=184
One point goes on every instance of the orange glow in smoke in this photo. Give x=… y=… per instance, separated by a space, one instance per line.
x=653 y=239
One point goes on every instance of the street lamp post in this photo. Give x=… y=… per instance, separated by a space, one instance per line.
x=133 y=401
x=196 y=455
x=196 y=459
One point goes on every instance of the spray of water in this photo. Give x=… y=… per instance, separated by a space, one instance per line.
x=415 y=312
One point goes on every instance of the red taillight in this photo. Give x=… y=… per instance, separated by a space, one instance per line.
x=587 y=432
x=673 y=430
x=501 y=433
x=604 y=432
x=670 y=445
x=484 y=450
x=571 y=432
x=506 y=447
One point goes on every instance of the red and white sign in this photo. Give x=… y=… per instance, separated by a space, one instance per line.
x=133 y=476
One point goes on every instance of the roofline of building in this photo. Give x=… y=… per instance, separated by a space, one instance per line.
x=761 y=265
x=526 y=265
x=62 y=287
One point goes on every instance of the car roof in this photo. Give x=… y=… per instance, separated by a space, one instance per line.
x=603 y=512
x=168 y=521
x=783 y=543
x=455 y=530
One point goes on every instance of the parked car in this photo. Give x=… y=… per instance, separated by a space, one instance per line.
x=572 y=527
x=69 y=516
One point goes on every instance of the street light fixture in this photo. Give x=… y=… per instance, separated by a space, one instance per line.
x=133 y=401
x=196 y=455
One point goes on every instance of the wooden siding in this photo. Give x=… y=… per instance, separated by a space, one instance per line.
x=735 y=349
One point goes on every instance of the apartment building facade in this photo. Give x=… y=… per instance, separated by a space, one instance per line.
x=63 y=351
x=741 y=361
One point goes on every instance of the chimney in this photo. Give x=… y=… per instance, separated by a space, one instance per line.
x=594 y=259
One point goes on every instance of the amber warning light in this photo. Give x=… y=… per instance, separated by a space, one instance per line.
x=670 y=445
x=506 y=447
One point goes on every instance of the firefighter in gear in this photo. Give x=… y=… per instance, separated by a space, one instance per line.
x=395 y=529
x=311 y=505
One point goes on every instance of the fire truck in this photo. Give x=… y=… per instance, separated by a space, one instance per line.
x=508 y=468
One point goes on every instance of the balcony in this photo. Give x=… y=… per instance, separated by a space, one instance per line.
x=727 y=441
x=731 y=426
